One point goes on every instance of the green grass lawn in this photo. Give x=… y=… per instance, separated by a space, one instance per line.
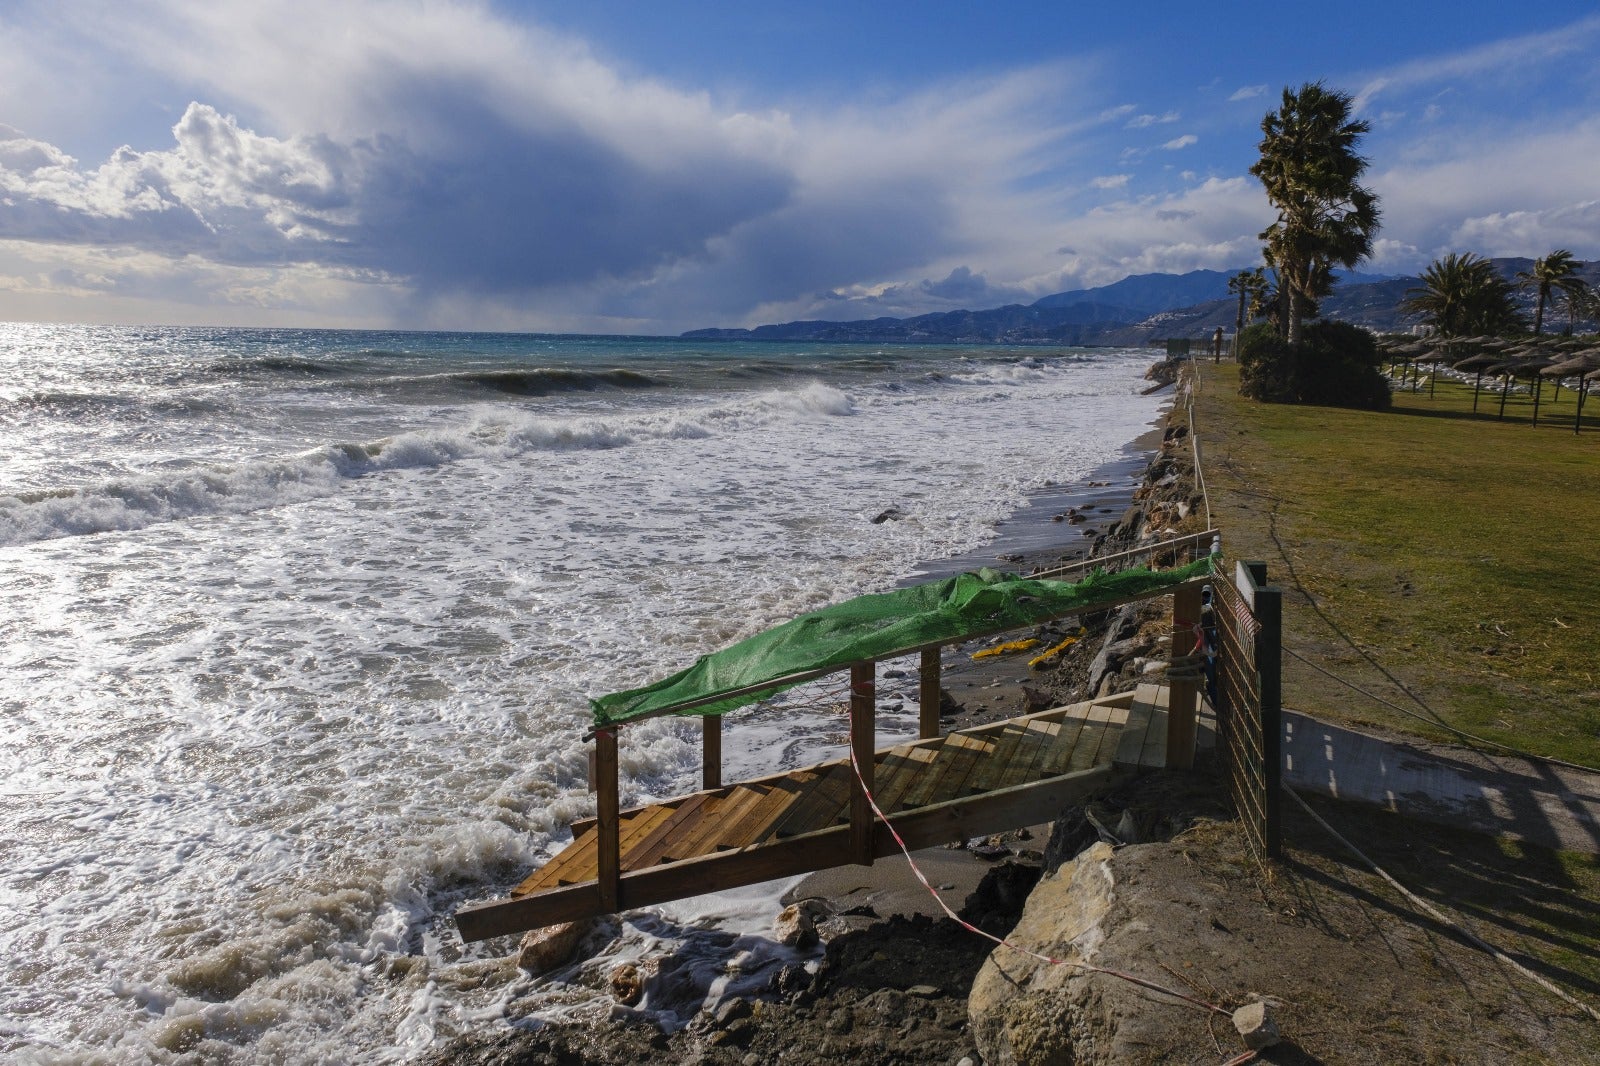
x=1446 y=561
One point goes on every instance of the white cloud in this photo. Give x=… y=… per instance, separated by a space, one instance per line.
x=1139 y=122
x=1499 y=59
x=1247 y=92
x=1111 y=181
x=1181 y=142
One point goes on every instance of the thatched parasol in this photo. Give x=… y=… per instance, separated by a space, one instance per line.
x=1525 y=368
x=1585 y=366
x=1480 y=362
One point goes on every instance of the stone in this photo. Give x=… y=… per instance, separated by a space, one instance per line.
x=628 y=981
x=731 y=1010
x=544 y=949
x=796 y=926
x=1256 y=1025
x=1019 y=1009
x=892 y=514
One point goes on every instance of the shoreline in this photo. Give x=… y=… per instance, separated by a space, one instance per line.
x=892 y=979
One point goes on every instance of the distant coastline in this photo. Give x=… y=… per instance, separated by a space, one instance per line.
x=1133 y=312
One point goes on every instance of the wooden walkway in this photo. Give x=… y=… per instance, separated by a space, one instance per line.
x=977 y=781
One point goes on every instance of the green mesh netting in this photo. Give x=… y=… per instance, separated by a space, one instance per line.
x=879 y=626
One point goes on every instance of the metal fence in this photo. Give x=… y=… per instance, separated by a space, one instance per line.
x=1248 y=615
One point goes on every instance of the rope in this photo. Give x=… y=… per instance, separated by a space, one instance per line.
x=1201 y=1004
x=1434 y=913
x=1436 y=720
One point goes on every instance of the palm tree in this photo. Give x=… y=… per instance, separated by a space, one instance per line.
x=1462 y=295
x=1251 y=285
x=1309 y=166
x=1582 y=303
x=1558 y=271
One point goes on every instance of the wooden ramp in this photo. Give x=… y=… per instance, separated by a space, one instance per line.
x=977 y=781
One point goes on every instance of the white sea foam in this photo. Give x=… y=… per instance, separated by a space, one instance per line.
x=294 y=705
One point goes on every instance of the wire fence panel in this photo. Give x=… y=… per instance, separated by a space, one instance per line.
x=1248 y=616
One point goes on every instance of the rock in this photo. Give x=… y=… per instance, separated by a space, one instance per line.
x=1020 y=1010
x=1036 y=699
x=731 y=1010
x=922 y=991
x=893 y=514
x=628 y=980
x=1256 y=1025
x=796 y=927
x=1127 y=829
x=544 y=949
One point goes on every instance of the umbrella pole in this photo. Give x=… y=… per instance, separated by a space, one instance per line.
x=1577 y=419
x=1476 y=385
x=1538 y=387
x=1505 y=388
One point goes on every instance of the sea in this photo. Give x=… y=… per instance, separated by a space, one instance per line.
x=298 y=630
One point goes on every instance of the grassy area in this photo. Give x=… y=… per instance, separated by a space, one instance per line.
x=1444 y=560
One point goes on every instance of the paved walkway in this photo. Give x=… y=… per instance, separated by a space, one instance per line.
x=1534 y=801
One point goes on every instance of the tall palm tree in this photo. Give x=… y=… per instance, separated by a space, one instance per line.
x=1462 y=295
x=1558 y=271
x=1582 y=303
x=1310 y=168
x=1251 y=285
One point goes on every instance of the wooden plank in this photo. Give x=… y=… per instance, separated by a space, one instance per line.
x=828 y=794
x=574 y=863
x=1059 y=757
x=715 y=823
x=1036 y=737
x=970 y=816
x=1063 y=737
x=986 y=775
x=975 y=749
x=711 y=751
x=1181 y=697
x=1154 y=755
x=863 y=741
x=928 y=692
x=1087 y=751
x=754 y=823
x=608 y=826
x=650 y=850
x=1131 y=743
x=901 y=770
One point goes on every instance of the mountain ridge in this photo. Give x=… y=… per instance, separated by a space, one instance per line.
x=1138 y=309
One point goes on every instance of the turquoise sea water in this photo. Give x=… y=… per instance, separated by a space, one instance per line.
x=300 y=627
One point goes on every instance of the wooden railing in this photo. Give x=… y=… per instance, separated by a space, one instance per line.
x=1181 y=720
x=1248 y=614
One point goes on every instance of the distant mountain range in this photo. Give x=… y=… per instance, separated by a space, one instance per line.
x=1136 y=310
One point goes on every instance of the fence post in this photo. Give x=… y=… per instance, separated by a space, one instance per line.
x=863 y=730
x=608 y=839
x=710 y=751
x=1269 y=664
x=928 y=695
x=1182 y=696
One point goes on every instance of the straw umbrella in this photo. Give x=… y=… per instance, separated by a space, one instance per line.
x=1585 y=366
x=1480 y=362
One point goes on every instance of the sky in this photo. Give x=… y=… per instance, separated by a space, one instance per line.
x=604 y=166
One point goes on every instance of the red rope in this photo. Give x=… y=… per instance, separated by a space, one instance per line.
x=873 y=803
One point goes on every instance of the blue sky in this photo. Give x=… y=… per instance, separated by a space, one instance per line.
x=602 y=166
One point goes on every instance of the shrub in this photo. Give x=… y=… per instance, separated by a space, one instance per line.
x=1335 y=364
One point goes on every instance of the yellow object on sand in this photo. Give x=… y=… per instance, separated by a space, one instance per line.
x=1045 y=657
x=1006 y=648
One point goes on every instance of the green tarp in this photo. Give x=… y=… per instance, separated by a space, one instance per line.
x=878 y=626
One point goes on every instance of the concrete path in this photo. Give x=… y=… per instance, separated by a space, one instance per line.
x=1534 y=801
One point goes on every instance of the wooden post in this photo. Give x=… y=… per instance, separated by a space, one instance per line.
x=863 y=730
x=710 y=751
x=928 y=696
x=607 y=807
x=1182 y=702
x=1269 y=662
